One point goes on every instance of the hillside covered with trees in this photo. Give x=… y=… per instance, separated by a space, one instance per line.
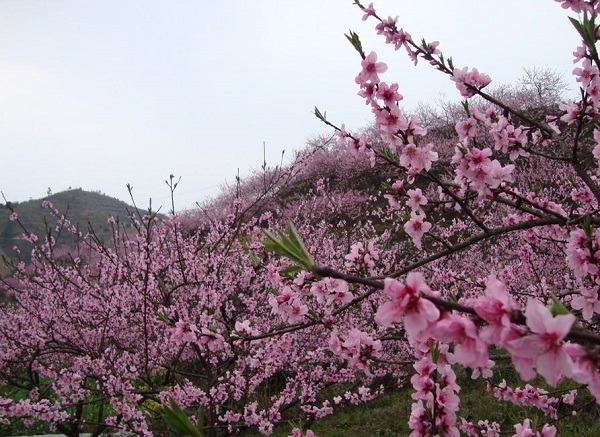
x=86 y=210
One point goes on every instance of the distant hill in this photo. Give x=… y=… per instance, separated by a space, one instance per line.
x=82 y=208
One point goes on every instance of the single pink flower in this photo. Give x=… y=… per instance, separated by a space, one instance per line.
x=370 y=69
x=545 y=345
x=466 y=130
x=407 y=301
x=389 y=94
x=469 y=349
x=416 y=200
x=416 y=227
x=416 y=158
x=369 y=11
x=587 y=301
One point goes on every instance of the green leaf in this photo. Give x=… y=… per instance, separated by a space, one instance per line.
x=200 y=418
x=178 y=421
x=290 y=271
x=586 y=224
x=435 y=353
x=387 y=187
x=319 y=115
x=296 y=239
x=355 y=41
x=279 y=245
x=388 y=154
x=289 y=246
x=163 y=317
x=587 y=30
x=578 y=26
x=465 y=105
x=462 y=149
x=557 y=308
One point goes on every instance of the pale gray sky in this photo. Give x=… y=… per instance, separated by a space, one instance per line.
x=98 y=94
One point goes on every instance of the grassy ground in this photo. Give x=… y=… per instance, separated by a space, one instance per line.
x=388 y=415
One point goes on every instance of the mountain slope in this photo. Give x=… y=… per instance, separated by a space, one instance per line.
x=82 y=208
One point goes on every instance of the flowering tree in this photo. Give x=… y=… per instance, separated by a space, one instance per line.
x=482 y=245
x=503 y=227
x=176 y=316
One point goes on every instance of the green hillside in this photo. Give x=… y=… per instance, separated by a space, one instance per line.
x=84 y=209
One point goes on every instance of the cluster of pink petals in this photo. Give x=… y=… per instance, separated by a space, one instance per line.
x=482 y=428
x=496 y=308
x=572 y=112
x=297 y=432
x=476 y=170
x=583 y=252
x=416 y=227
x=585 y=197
x=369 y=11
x=437 y=401
x=509 y=139
x=408 y=303
x=390 y=120
x=587 y=74
x=388 y=94
x=466 y=130
x=185 y=332
x=525 y=430
x=589 y=78
x=469 y=349
x=330 y=290
x=416 y=158
x=41 y=410
x=362 y=395
x=393 y=199
x=243 y=328
x=357 y=145
x=357 y=348
x=541 y=347
x=362 y=258
x=397 y=37
x=528 y=396
x=577 y=6
x=466 y=81
x=416 y=200
x=587 y=302
x=288 y=305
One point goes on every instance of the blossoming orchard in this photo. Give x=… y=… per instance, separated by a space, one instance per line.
x=309 y=288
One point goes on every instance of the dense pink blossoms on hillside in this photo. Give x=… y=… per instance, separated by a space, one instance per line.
x=428 y=249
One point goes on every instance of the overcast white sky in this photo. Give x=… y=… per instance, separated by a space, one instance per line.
x=98 y=94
